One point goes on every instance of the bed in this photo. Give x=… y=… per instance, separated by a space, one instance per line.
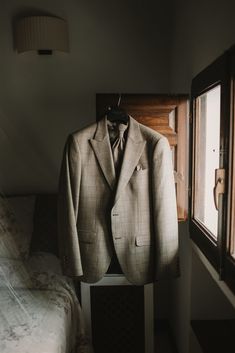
x=39 y=308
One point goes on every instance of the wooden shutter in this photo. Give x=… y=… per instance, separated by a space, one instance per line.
x=167 y=115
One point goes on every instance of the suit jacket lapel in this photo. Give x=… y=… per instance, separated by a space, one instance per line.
x=102 y=150
x=133 y=150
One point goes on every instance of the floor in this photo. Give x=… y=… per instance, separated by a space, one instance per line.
x=163 y=343
x=215 y=336
x=163 y=340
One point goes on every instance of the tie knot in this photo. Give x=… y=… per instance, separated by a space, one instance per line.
x=122 y=128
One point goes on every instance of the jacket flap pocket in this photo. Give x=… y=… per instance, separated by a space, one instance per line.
x=86 y=236
x=142 y=240
x=140 y=169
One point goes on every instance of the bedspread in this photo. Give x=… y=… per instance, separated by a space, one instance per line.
x=39 y=309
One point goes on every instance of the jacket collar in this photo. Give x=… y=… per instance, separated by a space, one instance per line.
x=133 y=150
x=133 y=130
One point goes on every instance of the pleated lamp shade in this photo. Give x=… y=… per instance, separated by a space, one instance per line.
x=41 y=33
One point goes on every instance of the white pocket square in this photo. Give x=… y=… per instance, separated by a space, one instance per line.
x=138 y=167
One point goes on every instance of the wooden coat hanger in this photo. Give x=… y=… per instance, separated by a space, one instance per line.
x=117 y=114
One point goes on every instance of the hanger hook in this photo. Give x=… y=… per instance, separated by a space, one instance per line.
x=119 y=99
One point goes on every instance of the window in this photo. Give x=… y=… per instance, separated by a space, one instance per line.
x=207 y=158
x=212 y=172
x=231 y=245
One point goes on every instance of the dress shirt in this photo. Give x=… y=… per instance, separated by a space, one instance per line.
x=117 y=136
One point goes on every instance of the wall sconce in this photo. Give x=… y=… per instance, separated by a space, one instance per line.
x=41 y=33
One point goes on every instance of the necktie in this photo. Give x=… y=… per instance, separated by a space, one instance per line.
x=118 y=147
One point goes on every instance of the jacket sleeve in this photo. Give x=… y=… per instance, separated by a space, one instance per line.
x=68 y=202
x=165 y=213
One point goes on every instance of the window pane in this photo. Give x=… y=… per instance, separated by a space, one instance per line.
x=207 y=142
x=232 y=234
x=232 y=245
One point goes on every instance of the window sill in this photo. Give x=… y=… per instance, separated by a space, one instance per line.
x=221 y=284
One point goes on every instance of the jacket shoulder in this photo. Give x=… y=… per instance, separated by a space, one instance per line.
x=150 y=134
x=85 y=133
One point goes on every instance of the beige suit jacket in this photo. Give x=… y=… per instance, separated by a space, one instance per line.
x=135 y=215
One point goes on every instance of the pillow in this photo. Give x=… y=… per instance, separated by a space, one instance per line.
x=14 y=274
x=44 y=262
x=16 y=226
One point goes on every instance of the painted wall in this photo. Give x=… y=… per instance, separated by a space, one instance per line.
x=208 y=302
x=116 y=46
x=203 y=30
x=180 y=292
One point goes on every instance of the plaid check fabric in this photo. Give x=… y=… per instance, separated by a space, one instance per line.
x=133 y=214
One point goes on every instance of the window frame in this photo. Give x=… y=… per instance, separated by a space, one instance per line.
x=229 y=262
x=221 y=71
x=214 y=75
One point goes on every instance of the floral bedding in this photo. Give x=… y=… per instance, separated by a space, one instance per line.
x=16 y=226
x=39 y=309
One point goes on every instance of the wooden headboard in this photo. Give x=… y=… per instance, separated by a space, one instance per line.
x=44 y=237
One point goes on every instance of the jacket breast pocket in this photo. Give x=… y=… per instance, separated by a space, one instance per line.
x=86 y=236
x=139 y=172
x=142 y=240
